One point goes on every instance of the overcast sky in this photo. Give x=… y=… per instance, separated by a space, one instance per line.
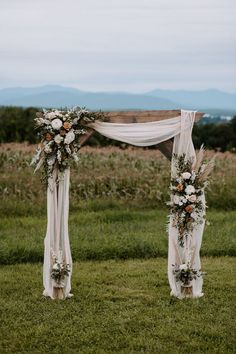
x=119 y=45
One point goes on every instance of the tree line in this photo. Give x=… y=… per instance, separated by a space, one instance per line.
x=17 y=125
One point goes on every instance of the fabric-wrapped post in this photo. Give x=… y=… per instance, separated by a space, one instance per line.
x=178 y=255
x=56 y=243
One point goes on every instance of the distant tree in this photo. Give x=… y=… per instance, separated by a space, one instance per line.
x=216 y=136
x=17 y=124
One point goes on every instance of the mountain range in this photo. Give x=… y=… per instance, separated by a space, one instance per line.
x=209 y=101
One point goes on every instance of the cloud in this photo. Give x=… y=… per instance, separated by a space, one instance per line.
x=126 y=44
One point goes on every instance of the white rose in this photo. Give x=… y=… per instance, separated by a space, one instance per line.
x=40 y=121
x=183 y=200
x=55 y=266
x=194 y=215
x=51 y=115
x=176 y=199
x=192 y=198
x=186 y=175
x=190 y=189
x=47 y=149
x=56 y=124
x=58 y=139
x=69 y=137
x=183 y=266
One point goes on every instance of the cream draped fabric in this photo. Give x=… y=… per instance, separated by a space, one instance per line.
x=141 y=134
x=57 y=236
x=191 y=251
x=138 y=134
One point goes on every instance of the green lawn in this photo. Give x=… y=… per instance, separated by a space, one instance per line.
x=111 y=231
x=118 y=307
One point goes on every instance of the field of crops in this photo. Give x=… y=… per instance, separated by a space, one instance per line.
x=132 y=175
x=118 y=237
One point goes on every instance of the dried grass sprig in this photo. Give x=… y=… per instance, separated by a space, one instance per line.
x=206 y=170
x=199 y=159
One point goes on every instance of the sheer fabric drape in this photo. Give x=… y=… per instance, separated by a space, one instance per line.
x=139 y=134
x=142 y=134
x=183 y=144
x=57 y=236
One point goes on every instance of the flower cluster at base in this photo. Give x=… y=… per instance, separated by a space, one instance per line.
x=59 y=132
x=59 y=270
x=187 y=189
x=185 y=274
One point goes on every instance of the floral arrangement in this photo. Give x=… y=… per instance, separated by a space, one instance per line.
x=59 y=132
x=185 y=274
x=187 y=189
x=59 y=269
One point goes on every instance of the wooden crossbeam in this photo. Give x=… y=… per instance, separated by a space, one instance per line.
x=141 y=117
x=145 y=116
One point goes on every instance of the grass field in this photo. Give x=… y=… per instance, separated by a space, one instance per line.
x=118 y=307
x=115 y=232
x=118 y=237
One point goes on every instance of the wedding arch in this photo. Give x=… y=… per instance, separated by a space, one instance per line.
x=171 y=131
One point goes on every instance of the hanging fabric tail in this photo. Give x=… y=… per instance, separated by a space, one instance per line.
x=56 y=243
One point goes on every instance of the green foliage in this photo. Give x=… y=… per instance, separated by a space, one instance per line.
x=118 y=307
x=220 y=137
x=17 y=124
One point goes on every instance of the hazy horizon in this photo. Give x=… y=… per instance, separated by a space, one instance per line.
x=114 y=91
x=130 y=46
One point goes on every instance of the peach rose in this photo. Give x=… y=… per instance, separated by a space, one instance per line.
x=67 y=125
x=189 y=208
x=180 y=187
x=48 y=137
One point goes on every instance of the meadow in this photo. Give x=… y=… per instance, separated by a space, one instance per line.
x=118 y=219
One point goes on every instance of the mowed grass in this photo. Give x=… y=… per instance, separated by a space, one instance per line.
x=118 y=307
x=112 y=231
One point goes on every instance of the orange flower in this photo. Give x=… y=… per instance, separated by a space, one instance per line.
x=180 y=187
x=189 y=208
x=48 y=137
x=67 y=125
